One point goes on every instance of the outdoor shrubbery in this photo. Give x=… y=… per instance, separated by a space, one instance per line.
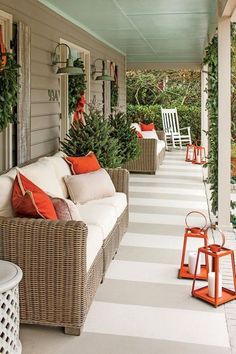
x=148 y=90
x=188 y=115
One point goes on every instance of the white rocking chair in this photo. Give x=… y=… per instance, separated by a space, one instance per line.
x=173 y=133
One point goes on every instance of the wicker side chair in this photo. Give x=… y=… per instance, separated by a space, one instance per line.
x=56 y=289
x=148 y=161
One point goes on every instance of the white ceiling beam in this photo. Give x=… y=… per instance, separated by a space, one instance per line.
x=163 y=66
x=228 y=9
x=233 y=17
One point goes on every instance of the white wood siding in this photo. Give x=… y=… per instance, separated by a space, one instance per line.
x=47 y=28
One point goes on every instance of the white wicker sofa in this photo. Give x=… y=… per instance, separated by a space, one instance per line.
x=63 y=262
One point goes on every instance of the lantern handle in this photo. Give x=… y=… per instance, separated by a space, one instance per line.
x=196 y=212
x=215 y=227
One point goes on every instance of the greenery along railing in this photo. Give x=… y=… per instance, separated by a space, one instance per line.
x=211 y=58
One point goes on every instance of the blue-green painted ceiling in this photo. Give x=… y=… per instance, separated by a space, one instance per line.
x=163 y=31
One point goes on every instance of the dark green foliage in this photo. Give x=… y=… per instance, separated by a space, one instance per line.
x=148 y=90
x=8 y=92
x=126 y=136
x=188 y=116
x=166 y=88
x=114 y=94
x=76 y=86
x=211 y=59
x=95 y=136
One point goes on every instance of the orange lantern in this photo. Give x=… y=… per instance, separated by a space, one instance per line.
x=214 y=293
x=189 y=153
x=187 y=270
x=199 y=155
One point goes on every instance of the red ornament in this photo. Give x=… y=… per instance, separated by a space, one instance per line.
x=3 y=50
x=79 y=110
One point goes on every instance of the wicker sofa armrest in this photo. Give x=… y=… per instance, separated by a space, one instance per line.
x=120 y=178
x=161 y=134
x=52 y=255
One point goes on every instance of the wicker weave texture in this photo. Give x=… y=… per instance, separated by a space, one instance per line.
x=147 y=162
x=56 y=289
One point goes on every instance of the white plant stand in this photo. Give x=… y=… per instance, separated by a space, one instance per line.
x=10 y=276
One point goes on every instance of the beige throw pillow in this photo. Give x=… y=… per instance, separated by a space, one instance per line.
x=90 y=186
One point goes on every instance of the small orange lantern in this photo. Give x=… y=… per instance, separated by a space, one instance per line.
x=187 y=270
x=214 y=293
x=199 y=155
x=189 y=153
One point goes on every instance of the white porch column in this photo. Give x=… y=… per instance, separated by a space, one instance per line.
x=204 y=111
x=224 y=130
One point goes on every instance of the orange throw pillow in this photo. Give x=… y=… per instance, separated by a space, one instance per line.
x=83 y=164
x=30 y=201
x=139 y=135
x=147 y=127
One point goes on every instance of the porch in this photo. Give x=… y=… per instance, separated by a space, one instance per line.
x=142 y=306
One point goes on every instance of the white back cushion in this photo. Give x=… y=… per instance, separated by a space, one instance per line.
x=6 y=183
x=61 y=169
x=43 y=175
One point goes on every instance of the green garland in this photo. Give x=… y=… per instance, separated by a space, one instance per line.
x=76 y=86
x=114 y=90
x=8 y=92
x=211 y=59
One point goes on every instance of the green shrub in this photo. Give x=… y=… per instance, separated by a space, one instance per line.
x=188 y=116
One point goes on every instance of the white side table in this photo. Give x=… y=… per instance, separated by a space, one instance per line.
x=10 y=276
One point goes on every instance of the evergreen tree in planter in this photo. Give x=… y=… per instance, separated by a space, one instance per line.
x=127 y=137
x=95 y=136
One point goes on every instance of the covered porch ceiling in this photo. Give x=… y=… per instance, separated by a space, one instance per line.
x=148 y=32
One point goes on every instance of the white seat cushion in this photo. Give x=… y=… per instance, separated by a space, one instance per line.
x=150 y=134
x=160 y=146
x=94 y=243
x=103 y=216
x=61 y=169
x=43 y=175
x=118 y=201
